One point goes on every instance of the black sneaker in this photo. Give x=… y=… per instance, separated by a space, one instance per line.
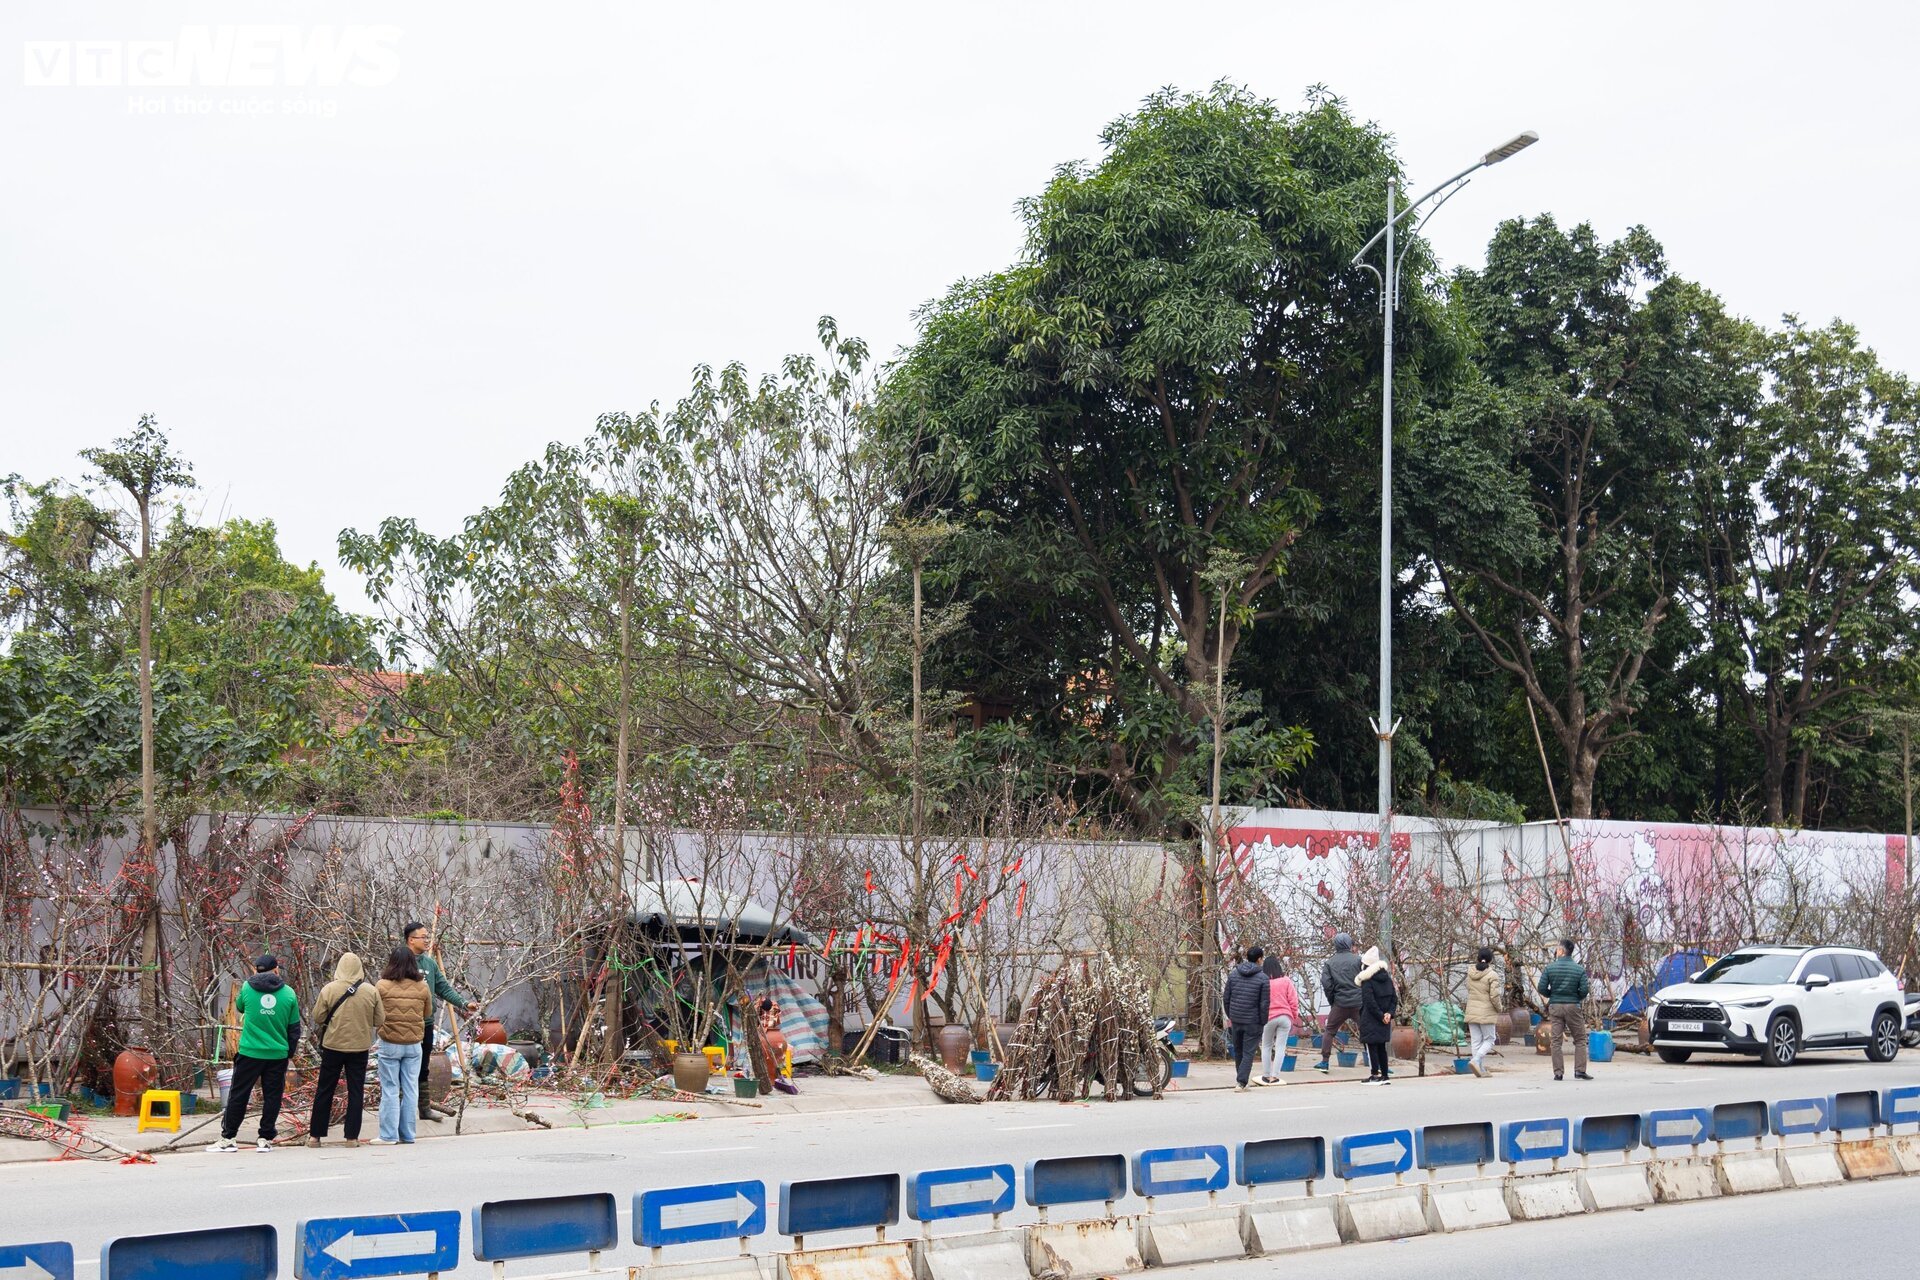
x=1558 y=1076
x=1581 y=1075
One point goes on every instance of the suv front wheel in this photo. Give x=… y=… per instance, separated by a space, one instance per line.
x=1675 y=1055
x=1783 y=1042
x=1884 y=1043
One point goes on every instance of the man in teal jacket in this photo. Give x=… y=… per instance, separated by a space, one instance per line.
x=269 y=1033
x=419 y=940
x=1564 y=983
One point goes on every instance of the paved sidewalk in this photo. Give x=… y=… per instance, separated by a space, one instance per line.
x=818 y=1094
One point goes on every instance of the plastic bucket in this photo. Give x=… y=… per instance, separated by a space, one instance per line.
x=978 y=1056
x=988 y=1072
x=1600 y=1046
x=1287 y=1063
x=746 y=1087
x=1176 y=1036
x=9 y=1089
x=1463 y=1066
x=1180 y=1066
x=1347 y=1058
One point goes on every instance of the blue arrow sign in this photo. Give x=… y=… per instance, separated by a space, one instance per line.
x=50 y=1261
x=225 y=1253
x=392 y=1244
x=690 y=1215
x=960 y=1193
x=1523 y=1140
x=1800 y=1115
x=1076 y=1180
x=1258 y=1164
x=839 y=1204
x=1365 y=1155
x=1859 y=1109
x=1173 y=1171
x=1901 y=1106
x=539 y=1228
x=1449 y=1146
x=1678 y=1127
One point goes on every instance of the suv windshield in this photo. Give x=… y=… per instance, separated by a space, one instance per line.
x=1752 y=968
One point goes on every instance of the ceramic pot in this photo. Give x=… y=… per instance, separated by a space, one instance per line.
x=492 y=1031
x=1503 y=1028
x=1405 y=1042
x=134 y=1072
x=954 y=1041
x=439 y=1078
x=691 y=1071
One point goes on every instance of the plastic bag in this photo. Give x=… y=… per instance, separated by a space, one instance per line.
x=1444 y=1023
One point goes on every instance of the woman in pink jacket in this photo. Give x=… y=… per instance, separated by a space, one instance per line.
x=1283 y=1014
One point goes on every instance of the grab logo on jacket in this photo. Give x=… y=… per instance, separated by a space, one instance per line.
x=268 y=1003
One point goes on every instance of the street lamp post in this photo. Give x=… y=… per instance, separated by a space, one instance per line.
x=1389 y=277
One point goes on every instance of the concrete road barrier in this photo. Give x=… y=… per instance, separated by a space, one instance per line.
x=888 y=1261
x=754 y=1268
x=1071 y=1250
x=1814 y=1166
x=1291 y=1226
x=1688 y=1178
x=1545 y=1195
x=1745 y=1172
x=1466 y=1205
x=1616 y=1186
x=1871 y=1158
x=1390 y=1214
x=1906 y=1150
x=984 y=1255
x=1186 y=1236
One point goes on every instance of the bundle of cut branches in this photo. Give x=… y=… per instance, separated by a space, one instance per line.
x=949 y=1086
x=1090 y=1020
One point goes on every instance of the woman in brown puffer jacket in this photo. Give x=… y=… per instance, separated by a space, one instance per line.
x=403 y=1025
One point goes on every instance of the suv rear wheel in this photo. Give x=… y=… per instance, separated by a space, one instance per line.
x=1783 y=1042
x=1884 y=1043
x=1675 y=1055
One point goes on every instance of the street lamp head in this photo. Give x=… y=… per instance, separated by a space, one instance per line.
x=1507 y=150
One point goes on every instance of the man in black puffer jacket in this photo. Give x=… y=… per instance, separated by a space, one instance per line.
x=1244 y=1002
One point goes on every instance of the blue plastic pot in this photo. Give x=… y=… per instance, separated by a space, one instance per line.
x=9 y=1088
x=1180 y=1066
x=1176 y=1036
x=1287 y=1063
x=986 y=1072
x=978 y=1056
x=1347 y=1058
x=1463 y=1066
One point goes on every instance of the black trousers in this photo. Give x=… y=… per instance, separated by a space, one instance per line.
x=1377 y=1060
x=426 y=1063
x=271 y=1075
x=334 y=1067
x=1245 y=1041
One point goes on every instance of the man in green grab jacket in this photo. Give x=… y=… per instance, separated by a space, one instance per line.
x=419 y=940
x=269 y=1033
x=1564 y=983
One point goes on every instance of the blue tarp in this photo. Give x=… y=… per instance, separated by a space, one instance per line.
x=1676 y=968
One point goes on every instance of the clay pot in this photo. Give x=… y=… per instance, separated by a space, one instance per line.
x=953 y=1041
x=439 y=1078
x=691 y=1071
x=134 y=1072
x=1503 y=1028
x=1406 y=1042
x=492 y=1031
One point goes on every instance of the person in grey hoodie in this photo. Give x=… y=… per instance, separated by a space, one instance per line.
x=1340 y=983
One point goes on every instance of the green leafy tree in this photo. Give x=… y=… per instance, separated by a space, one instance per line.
x=1553 y=492
x=1173 y=370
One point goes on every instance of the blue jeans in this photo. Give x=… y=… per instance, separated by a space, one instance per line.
x=399 y=1090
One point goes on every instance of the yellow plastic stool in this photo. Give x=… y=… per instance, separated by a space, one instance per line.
x=159 y=1109
x=716 y=1059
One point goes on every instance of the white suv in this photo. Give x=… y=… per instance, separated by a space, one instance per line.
x=1778 y=1001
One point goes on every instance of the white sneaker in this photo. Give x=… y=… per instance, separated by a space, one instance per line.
x=263 y=1145
x=223 y=1146
x=382 y=1142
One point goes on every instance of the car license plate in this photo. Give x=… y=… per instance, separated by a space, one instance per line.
x=1686 y=1026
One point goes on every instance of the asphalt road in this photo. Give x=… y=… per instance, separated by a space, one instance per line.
x=1858 y=1230
x=88 y=1204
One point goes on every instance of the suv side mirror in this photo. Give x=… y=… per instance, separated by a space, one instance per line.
x=1814 y=981
x=1695 y=975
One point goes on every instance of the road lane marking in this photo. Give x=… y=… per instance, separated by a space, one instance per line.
x=1315 y=1107
x=282 y=1182
x=700 y=1151
x=1019 y=1128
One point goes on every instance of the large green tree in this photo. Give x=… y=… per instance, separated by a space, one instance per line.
x=1178 y=366
x=1553 y=491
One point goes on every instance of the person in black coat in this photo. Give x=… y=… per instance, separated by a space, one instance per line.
x=1379 y=1002
x=1243 y=1000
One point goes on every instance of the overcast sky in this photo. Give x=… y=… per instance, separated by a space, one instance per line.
x=475 y=227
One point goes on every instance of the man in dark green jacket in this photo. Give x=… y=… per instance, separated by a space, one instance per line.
x=1564 y=983
x=419 y=940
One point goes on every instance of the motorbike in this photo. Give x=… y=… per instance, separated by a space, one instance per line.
x=1158 y=1068
x=1910 y=1033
